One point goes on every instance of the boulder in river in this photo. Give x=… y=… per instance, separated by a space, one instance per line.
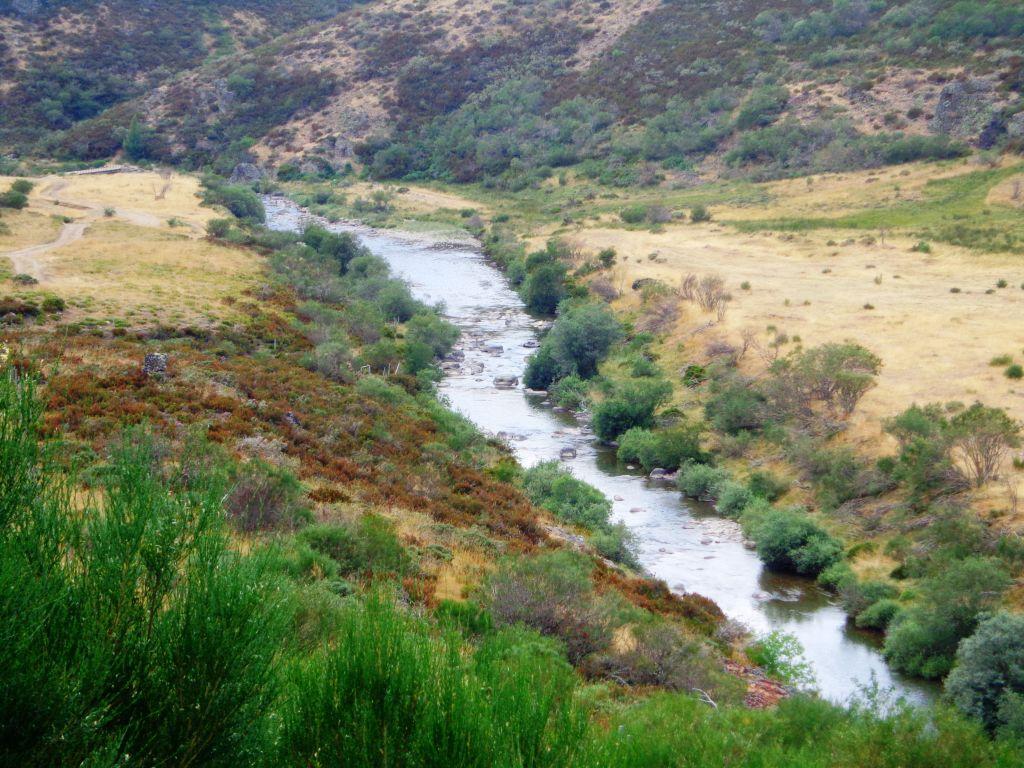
x=531 y=344
x=568 y=452
x=506 y=382
x=657 y=474
x=493 y=349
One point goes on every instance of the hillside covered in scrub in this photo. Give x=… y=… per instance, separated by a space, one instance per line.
x=761 y=266
x=629 y=90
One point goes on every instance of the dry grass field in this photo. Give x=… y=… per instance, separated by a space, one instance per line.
x=124 y=247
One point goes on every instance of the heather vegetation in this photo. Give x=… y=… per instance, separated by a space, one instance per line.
x=282 y=548
x=160 y=642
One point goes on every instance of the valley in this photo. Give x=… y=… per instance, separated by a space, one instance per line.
x=543 y=383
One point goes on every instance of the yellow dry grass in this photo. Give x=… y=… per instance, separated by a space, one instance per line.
x=935 y=345
x=26 y=228
x=133 y=265
x=120 y=270
x=148 y=198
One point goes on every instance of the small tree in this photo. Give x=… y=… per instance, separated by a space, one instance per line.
x=988 y=681
x=582 y=337
x=981 y=437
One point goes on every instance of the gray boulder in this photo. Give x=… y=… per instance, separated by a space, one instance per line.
x=964 y=108
x=246 y=173
x=155 y=364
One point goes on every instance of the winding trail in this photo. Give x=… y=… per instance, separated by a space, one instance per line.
x=30 y=260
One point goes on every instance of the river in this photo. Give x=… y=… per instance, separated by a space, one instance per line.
x=684 y=543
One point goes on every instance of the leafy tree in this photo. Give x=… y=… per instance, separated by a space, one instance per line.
x=981 y=437
x=581 y=338
x=988 y=680
x=633 y=405
x=136 y=141
x=544 y=288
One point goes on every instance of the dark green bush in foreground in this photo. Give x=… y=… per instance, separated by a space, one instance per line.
x=140 y=637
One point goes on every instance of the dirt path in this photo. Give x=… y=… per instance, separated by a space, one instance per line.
x=27 y=260
x=30 y=260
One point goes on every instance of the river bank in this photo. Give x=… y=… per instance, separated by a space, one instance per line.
x=683 y=543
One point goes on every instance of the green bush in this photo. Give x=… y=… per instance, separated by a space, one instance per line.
x=788 y=540
x=544 y=288
x=632 y=405
x=667 y=448
x=1015 y=371
x=542 y=370
x=700 y=481
x=878 y=615
x=700 y=214
x=566 y=497
x=766 y=485
x=923 y=639
x=242 y=202
x=988 y=680
x=581 y=338
x=733 y=498
x=369 y=547
x=265 y=498
x=634 y=214
x=22 y=186
x=390 y=690
x=570 y=392
x=734 y=406
x=12 y=199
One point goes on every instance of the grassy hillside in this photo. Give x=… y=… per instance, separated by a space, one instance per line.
x=222 y=543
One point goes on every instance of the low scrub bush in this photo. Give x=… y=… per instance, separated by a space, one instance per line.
x=265 y=498
x=788 y=540
x=702 y=481
x=632 y=405
x=553 y=594
x=667 y=448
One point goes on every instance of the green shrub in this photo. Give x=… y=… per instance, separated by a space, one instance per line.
x=570 y=392
x=1015 y=371
x=617 y=543
x=988 y=680
x=923 y=639
x=581 y=338
x=701 y=481
x=634 y=214
x=553 y=594
x=632 y=405
x=788 y=540
x=242 y=202
x=544 y=288
x=566 y=497
x=22 y=186
x=12 y=199
x=699 y=214
x=542 y=369
x=369 y=547
x=390 y=689
x=781 y=656
x=766 y=485
x=733 y=498
x=664 y=448
x=735 y=406
x=265 y=498
x=878 y=615
x=53 y=304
